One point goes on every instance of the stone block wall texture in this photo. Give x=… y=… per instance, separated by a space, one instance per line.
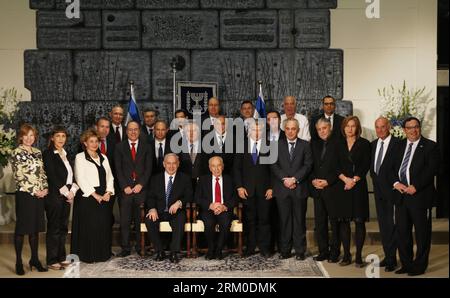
x=82 y=66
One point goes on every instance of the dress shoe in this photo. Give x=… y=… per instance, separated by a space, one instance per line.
x=266 y=254
x=249 y=253
x=346 y=261
x=300 y=257
x=219 y=255
x=360 y=263
x=174 y=258
x=333 y=259
x=160 y=255
x=124 y=253
x=37 y=264
x=390 y=267
x=210 y=256
x=415 y=272
x=320 y=257
x=284 y=256
x=402 y=270
x=19 y=269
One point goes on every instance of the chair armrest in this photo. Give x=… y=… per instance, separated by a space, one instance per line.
x=188 y=212
x=194 y=208
x=239 y=211
x=142 y=208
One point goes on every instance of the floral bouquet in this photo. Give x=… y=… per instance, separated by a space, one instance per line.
x=8 y=108
x=399 y=104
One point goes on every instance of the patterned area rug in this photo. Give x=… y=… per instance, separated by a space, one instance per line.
x=230 y=266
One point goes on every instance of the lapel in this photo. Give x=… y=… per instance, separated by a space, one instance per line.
x=209 y=193
x=60 y=162
x=417 y=154
x=296 y=150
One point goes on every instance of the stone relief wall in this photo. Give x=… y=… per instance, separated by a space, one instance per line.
x=82 y=66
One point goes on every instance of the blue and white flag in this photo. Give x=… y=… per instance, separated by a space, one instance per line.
x=133 y=110
x=260 y=111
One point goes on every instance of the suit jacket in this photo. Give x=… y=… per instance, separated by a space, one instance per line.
x=112 y=136
x=424 y=167
x=125 y=166
x=337 y=123
x=381 y=186
x=204 y=195
x=182 y=190
x=256 y=179
x=299 y=168
x=228 y=157
x=282 y=135
x=159 y=168
x=56 y=172
x=198 y=168
x=145 y=136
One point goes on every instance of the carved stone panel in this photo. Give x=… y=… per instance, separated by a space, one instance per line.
x=322 y=3
x=307 y=74
x=166 y=4
x=47 y=115
x=162 y=75
x=58 y=18
x=69 y=38
x=287 y=4
x=313 y=28
x=99 y=4
x=286 y=28
x=232 y=4
x=121 y=29
x=105 y=75
x=48 y=75
x=180 y=29
x=248 y=29
x=42 y=4
x=234 y=71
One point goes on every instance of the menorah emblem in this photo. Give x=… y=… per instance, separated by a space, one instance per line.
x=196 y=98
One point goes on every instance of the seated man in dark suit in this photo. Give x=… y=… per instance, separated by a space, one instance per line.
x=216 y=207
x=169 y=194
x=329 y=112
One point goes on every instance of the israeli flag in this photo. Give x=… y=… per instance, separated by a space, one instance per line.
x=133 y=110
x=260 y=111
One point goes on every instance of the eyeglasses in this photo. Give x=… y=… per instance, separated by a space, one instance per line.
x=329 y=104
x=412 y=127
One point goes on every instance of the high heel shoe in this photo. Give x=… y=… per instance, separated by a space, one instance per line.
x=38 y=266
x=19 y=269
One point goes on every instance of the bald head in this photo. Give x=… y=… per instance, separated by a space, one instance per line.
x=382 y=127
x=290 y=106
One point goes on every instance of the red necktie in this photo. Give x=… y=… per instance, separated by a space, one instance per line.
x=217 y=192
x=103 y=147
x=133 y=156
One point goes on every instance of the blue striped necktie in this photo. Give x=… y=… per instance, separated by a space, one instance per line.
x=168 y=192
x=403 y=178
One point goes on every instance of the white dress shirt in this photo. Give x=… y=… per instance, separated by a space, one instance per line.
x=166 y=179
x=258 y=145
x=289 y=145
x=413 y=149
x=214 y=188
x=221 y=139
x=331 y=118
x=385 y=146
x=163 y=142
x=69 y=179
x=274 y=136
x=303 y=132
x=136 y=144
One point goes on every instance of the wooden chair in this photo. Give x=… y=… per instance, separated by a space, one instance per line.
x=199 y=227
x=165 y=227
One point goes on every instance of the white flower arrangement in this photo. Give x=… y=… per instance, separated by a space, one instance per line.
x=399 y=104
x=8 y=108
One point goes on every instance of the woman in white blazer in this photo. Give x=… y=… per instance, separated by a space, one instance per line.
x=91 y=224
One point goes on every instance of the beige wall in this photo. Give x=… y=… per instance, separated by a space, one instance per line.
x=17 y=33
x=401 y=45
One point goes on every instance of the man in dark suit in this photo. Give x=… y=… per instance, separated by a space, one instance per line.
x=167 y=199
x=133 y=164
x=382 y=153
x=117 y=129
x=252 y=179
x=329 y=109
x=412 y=175
x=274 y=132
x=160 y=145
x=290 y=188
x=192 y=159
x=216 y=207
x=148 y=128
x=323 y=185
x=209 y=117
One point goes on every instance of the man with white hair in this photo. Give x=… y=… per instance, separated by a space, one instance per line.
x=290 y=112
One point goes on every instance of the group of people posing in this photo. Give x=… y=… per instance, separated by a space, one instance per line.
x=271 y=166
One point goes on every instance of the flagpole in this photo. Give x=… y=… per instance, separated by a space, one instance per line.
x=174 y=70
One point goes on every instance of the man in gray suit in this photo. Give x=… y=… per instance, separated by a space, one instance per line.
x=291 y=190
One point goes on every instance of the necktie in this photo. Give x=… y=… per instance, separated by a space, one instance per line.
x=103 y=147
x=169 y=192
x=218 y=193
x=403 y=178
x=221 y=141
x=324 y=150
x=150 y=134
x=379 y=158
x=192 y=154
x=117 y=135
x=291 y=151
x=255 y=153
x=133 y=157
x=160 y=154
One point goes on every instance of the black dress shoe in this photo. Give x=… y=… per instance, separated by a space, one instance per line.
x=320 y=257
x=402 y=270
x=124 y=253
x=160 y=255
x=249 y=253
x=266 y=254
x=390 y=267
x=37 y=264
x=360 y=263
x=333 y=259
x=415 y=272
x=210 y=256
x=345 y=261
x=174 y=257
x=300 y=257
x=383 y=263
x=284 y=256
x=19 y=269
x=219 y=255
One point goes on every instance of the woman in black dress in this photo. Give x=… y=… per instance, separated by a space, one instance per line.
x=31 y=186
x=62 y=191
x=354 y=160
x=91 y=228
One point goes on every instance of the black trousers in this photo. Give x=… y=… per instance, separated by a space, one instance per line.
x=292 y=213
x=176 y=222
x=57 y=211
x=388 y=230
x=407 y=217
x=129 y=210
x=224 y=222
x=321 y=225
x=257 y=218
